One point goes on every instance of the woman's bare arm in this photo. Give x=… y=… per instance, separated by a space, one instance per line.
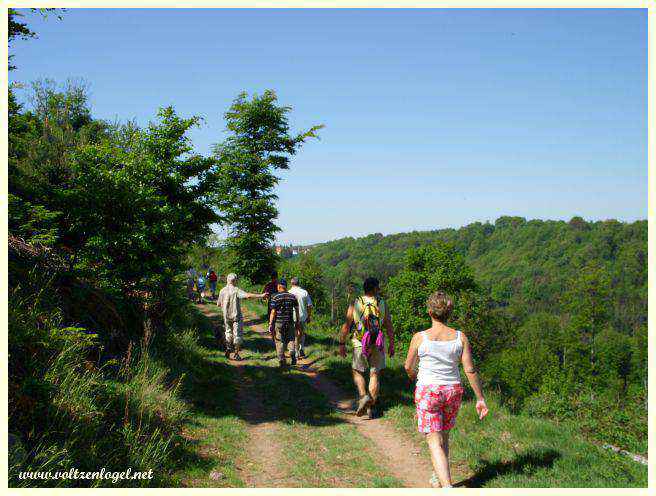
x=413 y=358
x=472 y=376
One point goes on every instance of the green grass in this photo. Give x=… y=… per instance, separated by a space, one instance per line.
x=214 y=432
x=67 y=410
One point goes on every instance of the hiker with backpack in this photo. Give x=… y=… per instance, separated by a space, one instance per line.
x=370 y=320
x=233 y=319
x=284 y=323
x=433 y=359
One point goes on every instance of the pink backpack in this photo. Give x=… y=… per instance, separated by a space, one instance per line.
x=370 y=323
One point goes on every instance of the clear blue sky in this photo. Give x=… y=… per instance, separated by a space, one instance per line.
x=437 y=117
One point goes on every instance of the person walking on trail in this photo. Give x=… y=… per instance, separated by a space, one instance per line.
x=201 y=287
x=233 y=319
x=433 y=359
x=368 y=315
x=284 y=323
x=271 y=288
x=212 y=278
x=304 y=313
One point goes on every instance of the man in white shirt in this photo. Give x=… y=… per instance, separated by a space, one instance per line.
x=233 y=319
x=304 y=313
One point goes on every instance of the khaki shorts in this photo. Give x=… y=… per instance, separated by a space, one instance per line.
x=375 y=362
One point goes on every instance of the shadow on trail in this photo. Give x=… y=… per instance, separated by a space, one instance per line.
x=260 y=393
x=525 y=463
x=215 y=387
x=314 y=360
x=258 y=344
x=284 y=396
x=212 y=341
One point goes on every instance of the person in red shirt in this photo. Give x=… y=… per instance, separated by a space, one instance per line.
x=271 y=289
x=212 y=277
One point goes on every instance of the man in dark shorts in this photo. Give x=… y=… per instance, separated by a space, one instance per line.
x=283 y=327
x=271 y=289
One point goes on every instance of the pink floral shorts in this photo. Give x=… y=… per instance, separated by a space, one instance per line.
x=437 y=407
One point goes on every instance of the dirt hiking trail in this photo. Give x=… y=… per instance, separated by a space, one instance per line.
x=399 y=455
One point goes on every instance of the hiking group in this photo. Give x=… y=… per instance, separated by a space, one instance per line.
x=197 y=284
x=288 y=313
x=432 y=361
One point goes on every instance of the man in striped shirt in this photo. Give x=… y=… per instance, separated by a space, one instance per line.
x=283 y=327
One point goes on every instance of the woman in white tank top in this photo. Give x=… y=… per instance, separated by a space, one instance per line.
x=433 y=360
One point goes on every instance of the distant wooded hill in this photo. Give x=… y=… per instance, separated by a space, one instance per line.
x=524 y=265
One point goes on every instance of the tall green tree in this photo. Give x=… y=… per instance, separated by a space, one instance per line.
x=311 y=277
x=432 y=268
x=588 y=303
x=133 y=208
x=41 y=144
x=121 y=204
x=259 y=144
x=28 y=219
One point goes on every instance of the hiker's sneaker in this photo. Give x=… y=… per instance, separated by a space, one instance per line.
x=282 y=364
x=364 y=402
x=372 y=412
x=293 y=358
x=227 y=353
x=301 y=354
x=237 y=357
x=434 y=480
